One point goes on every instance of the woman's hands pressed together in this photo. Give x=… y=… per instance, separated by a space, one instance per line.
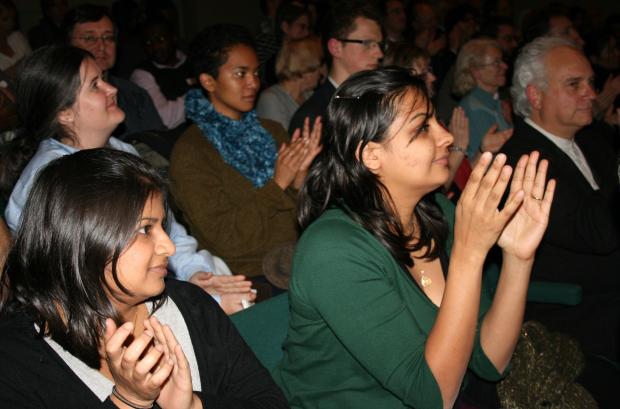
x=151 y=368
x=295 y=158
x=136 y=369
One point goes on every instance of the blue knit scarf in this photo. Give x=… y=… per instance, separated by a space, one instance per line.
x=245 y=144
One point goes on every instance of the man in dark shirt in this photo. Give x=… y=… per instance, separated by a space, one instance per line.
x=91 y=28
x=355 y=43
x=553 y=96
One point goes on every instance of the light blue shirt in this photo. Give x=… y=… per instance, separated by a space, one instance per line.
x=185 y=262
x=483 y=110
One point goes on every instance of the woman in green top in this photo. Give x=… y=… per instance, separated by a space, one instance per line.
x=375 y=320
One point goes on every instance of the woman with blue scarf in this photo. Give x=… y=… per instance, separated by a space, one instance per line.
x=234 y=176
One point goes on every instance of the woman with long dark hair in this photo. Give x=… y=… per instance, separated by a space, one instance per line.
x=382 y=315
x=87 y=318
x=65 y=105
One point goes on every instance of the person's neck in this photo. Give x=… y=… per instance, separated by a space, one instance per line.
x=293 y=88
x=404 y=205
x=488 y=88
x=555 y=130
x=90 y=142
x=338 y=73
x=393 y=35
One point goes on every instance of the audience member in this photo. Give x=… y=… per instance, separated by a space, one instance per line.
x=427 y=32
x=87 y=317
x=480 y=71
x=460 y=25
x=502 y=30
x=394 y=20
x=166 y=74
x=298 y=68
x=292 y=23
x=553 y=95
x=65 y=105
x=91 y=28
x=49 y=29
x=380 y=317
x=407 y=55
x=235 y=177
x=13 y=44
x=549 y=21
x=354 y=43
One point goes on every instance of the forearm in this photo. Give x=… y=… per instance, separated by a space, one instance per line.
x=502 y=324
x=450 y=342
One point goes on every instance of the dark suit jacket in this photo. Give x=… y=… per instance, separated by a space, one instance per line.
x=582 y=242
x=314 y=106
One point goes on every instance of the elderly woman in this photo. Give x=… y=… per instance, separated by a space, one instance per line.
x=480 y=71
x=298 y=68
x=87 y=317
x=234 y=176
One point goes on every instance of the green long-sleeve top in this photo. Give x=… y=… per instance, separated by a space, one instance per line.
x=359 y=325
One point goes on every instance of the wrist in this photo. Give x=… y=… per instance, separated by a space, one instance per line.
x=457 y=149
x=121 y=400
x=517 y=261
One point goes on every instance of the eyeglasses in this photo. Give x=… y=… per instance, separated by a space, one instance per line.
x=368 y=44
x=494 y=63
x=93 y=39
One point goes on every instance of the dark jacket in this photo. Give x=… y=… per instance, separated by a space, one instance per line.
x=34 y=376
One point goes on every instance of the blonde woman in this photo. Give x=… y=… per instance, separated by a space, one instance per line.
x=298 y=68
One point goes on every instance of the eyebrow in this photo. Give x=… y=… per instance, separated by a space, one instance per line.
x=423 y=114
x=149 y=219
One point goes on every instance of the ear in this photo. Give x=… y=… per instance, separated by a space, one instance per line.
x=334 y=47
x=370 y=156
x=534 y=96
x=207 y=82
x=66 y=117
x=284 y=26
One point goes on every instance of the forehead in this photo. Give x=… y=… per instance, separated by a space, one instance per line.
x=89 y=69
x=393 y=5
x=241 y=55
x=366 y=29
x=564 y=62
x=101 y=26
x=559 y=23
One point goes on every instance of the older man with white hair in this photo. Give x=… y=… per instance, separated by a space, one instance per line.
x=552 y=93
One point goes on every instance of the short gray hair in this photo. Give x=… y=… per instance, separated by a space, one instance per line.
x=471 y=55
x=530 y=69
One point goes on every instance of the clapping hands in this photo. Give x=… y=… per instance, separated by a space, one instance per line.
x=152 y=367
x=295 y=158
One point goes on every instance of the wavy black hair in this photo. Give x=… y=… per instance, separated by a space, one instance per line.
x=81 y=214
x=361 y=111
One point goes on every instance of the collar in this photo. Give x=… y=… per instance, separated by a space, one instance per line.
x=181 y=57
x=330 y=79
x=558 y=140
x=485 y=96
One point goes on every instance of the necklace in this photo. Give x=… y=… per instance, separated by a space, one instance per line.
x=426 y=281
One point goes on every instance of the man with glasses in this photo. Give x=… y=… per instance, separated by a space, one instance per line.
x=354 y=43
x=90 y=27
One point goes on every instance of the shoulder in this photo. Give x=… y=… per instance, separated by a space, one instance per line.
x=335 y=237
x=189 y=140
x=276 y=130
x=122 y=146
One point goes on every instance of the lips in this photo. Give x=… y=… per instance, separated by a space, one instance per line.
x=161 y=269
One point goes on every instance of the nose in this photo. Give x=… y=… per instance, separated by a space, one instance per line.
x=443 y=138
x=253 y=81
x=164 y=246
x=108 y=88
x=378 y=52
x=590 y=93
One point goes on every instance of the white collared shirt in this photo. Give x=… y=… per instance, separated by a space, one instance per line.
x=569 y=147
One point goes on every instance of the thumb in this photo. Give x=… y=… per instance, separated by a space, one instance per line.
x=492 y=129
